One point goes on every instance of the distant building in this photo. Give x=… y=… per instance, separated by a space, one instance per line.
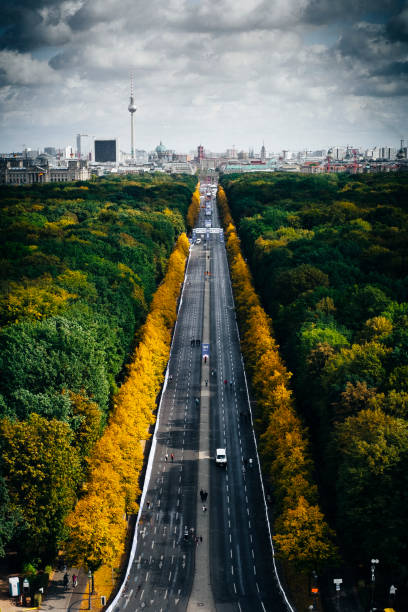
x=161 y=154
x=83 y=146
x=200 y=152
x=50 y=151
x=26 y=171
x=106 y=151
x=232 y=153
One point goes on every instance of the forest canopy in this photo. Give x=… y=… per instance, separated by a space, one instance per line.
x=79 y=264
x=329 y=258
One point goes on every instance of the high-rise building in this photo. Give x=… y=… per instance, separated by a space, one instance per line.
x=83 y=146
x=106 y=150
x=200 y=152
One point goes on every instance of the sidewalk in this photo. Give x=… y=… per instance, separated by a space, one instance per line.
x=57 y=598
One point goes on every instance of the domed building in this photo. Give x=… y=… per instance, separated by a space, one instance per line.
x=161 y=154
x=160 y=150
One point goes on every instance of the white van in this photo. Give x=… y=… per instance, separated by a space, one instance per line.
x=221 y=457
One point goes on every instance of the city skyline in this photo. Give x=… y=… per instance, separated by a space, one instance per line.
x=295 y=75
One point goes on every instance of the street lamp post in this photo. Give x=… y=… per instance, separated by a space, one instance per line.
x=89 y=589
x=374 y=563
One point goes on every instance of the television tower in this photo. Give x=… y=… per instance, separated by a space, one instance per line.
x=132 y=109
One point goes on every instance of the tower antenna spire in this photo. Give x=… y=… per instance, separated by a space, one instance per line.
x=132 y=109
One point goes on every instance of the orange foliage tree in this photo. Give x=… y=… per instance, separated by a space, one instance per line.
x=284 y=446
x=194 y=208
x=98 y=522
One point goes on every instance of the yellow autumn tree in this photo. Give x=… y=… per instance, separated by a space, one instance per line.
x=98 y=523
x=284 y=445
x=304 y=537
x=194 y=208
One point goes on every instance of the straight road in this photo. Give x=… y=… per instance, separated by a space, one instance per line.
x=162 y=572
x=242 y=567
x=236 y=537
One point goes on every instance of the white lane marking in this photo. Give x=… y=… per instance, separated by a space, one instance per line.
x=147 y=576
x=232 y=569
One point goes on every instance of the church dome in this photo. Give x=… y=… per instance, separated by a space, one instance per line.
x=160 y=148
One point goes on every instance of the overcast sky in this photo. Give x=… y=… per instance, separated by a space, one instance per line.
x=292 y=73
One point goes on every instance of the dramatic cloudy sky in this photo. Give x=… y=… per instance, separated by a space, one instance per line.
x=294 y=73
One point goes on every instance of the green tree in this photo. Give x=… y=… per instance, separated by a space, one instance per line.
x=291 y=283
x=372 y=485
x=41 y=469
x=9 y=517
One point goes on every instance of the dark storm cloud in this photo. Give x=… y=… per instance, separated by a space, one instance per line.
x=29 y=24
x=397 y=27
x=320 y=12
x=375 y=65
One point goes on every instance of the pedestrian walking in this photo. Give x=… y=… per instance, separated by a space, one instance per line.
x=204 y=508
x=74 y=580
x=205 y=495
x=66 y=581
x=172 y=457
x=206 y=382
x=225 y=381
x=148 y=505
x=202 y=495
x=201 y=539
x=166 y=457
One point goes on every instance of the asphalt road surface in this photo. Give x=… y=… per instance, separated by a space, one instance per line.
x=241 y=568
